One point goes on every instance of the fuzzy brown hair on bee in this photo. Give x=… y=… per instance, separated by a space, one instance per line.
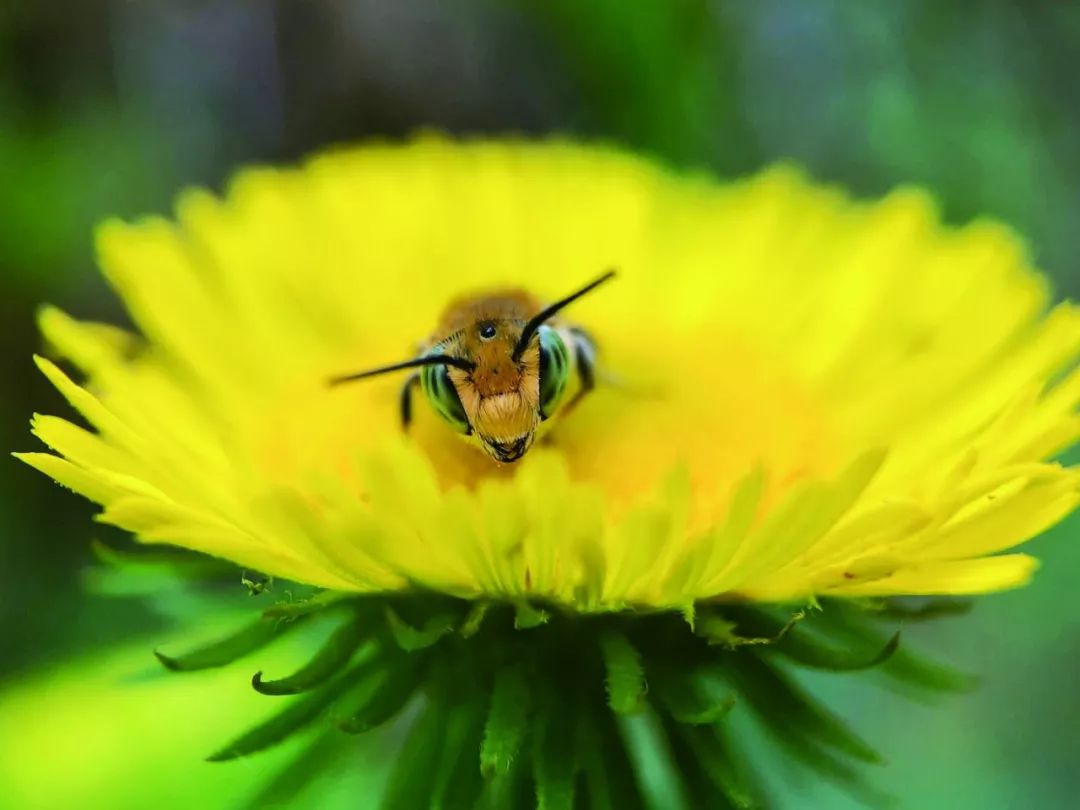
x=497 y=366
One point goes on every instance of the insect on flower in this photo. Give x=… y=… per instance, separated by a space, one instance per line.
x=498 y=366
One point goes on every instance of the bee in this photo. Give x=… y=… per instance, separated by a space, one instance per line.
x=498 y=366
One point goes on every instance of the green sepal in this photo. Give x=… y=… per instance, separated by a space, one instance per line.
x=459 y=783
x=330 y=658
x=716 y=629
x=849 y=624
x=792 y=712
x=475 y=618
x=716 y=768
x=303 y=607
x=555 y=760
x=927 y=610
x=507 y=722
x=298 y=714
x=816 y=656
x=411 y=639
x=689 y=614
x=803 y=729
x=380 y=696
x=175 y=561
x=315 y=758
x=513 y=789
x=800 y=645
x=610 y=781
x=722 y=630
x=916 y=670
x=413 y=776
x=226 y=650
x=687 y=700
x=625 y=679
x=659 y=777
x=823 y=762
x=526 y=617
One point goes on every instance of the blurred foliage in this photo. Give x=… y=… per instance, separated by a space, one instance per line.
x=131 y=735
x=662 y=78
x=108 y=107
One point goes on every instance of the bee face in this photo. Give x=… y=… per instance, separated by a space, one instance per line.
x=501 y=395
x=502 y=400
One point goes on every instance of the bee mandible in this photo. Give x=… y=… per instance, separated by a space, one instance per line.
x=498 y=366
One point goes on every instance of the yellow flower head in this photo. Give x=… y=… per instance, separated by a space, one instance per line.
x=798 y=395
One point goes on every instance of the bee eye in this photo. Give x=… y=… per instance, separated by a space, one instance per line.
x=443 y=396
x=554 y=369
x=487 y=331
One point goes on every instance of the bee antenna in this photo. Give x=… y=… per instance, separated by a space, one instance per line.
x=537 y=320
x=426 y=360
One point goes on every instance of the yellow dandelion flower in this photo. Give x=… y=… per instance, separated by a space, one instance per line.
x=800 y=397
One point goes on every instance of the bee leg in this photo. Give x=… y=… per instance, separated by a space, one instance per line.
x=406 y=400
x=585 y=361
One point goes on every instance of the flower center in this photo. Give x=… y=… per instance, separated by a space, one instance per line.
x=717 y=410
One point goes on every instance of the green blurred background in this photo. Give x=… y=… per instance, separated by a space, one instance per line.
x=110 y=106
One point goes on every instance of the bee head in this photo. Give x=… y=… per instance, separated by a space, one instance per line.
x=496 y=379
x=501 y=396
